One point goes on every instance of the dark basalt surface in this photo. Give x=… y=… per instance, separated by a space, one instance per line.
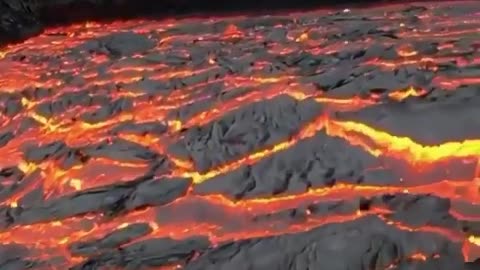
x=20 y=19
x=377 y=246
x=261 y=124
x=342 y=139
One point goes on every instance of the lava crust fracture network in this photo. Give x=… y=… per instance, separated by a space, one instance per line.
x=332 y=140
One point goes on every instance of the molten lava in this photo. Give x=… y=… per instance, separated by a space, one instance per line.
x=114 y=135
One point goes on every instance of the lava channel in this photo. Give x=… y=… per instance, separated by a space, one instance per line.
x=329 y=139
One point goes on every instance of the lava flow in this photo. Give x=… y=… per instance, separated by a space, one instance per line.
x=332 y=139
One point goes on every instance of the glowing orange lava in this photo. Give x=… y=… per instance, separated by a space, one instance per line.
x=75 y=121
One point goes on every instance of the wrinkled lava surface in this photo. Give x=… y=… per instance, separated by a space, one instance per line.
x=332 y=139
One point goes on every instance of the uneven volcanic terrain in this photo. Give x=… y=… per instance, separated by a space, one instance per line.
x=332 y=140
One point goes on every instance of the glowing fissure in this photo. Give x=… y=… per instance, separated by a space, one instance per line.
x=81 y=122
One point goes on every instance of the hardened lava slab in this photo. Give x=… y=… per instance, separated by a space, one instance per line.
x=333 y=139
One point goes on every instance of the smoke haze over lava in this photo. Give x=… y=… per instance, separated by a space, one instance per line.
x=333 y=139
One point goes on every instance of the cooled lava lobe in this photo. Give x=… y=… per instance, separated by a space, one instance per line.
x=333 y=140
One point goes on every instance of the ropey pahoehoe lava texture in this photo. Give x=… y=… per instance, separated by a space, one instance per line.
x=331 y=140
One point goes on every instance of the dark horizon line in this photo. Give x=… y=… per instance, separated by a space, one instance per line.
x=29 y=18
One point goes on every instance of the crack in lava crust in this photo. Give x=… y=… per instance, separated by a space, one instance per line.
x=348 y=139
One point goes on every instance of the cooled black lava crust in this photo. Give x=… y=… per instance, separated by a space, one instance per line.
x=325 y=140
x=20 y=19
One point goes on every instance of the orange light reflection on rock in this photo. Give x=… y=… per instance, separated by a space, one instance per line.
x=96 y=172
